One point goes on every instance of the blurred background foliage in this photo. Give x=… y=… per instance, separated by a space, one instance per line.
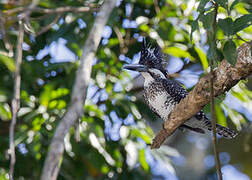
x=117 y=127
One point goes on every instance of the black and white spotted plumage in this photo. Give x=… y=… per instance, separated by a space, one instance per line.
x=162 y=94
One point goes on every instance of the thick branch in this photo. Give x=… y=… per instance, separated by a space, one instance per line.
x=226 y=76
x=16 y=98
x=50 y=11
x=75 y=111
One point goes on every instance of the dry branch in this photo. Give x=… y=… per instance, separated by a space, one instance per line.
x=50 y=11
x=225 y=77
x=75 y=110
x=15 y=104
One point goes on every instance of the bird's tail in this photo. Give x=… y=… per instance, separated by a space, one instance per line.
x=225 y=132
x=204 y=124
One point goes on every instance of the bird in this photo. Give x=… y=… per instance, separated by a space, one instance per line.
x=162 y=94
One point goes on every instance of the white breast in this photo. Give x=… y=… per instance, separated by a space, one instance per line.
x=160 y=102
x=160 y=105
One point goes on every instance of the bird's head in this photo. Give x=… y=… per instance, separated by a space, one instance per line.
x=151 y=61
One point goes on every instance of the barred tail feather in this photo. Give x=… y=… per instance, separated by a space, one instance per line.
x=225 y=132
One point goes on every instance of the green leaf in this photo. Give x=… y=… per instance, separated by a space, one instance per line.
x=195 y=26
x=221 y=119
x=202 y=5
x=229 y=52
x=142 y=160
x=242 y=22
x=226 y=25
x=178 y=52
x=207 y=20
x=222 y=3
x=233 y=4
x=8 y=62
x=203 y=57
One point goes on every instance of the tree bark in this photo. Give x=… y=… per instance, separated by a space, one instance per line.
x=226 y=76
x=75 y=110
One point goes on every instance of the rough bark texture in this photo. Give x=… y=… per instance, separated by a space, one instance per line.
x=225 y=77
x=75 y=111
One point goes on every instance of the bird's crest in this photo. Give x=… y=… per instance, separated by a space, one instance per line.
x=152 y=57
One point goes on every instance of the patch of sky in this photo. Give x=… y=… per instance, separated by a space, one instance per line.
x=53 y=73
x=135 y=35
x=55 y=27
x=160 y=171
x=104 y=41
x=202 y=143
x=190 y=76
x=128 y=9
x=82 y=24
x=224 y=158
x=26 y=47
x=209 y=161
x=60 y=53
x=140 y=39
x=129 y=24
x=231 y=173
x=147 y=11
x=42 y=53
x=91 y=91
x=29 y=58
x=103 y=107
x=129 y=120
x=103 y=95
x=118 y=87
x=45 y=63
x=32 y=38
x=179 y=161
x=118 y=3
x=61 y=21
x=40 y=82
x=107 y=31
x=22 y=149
x=174 y=65
x=234 y=103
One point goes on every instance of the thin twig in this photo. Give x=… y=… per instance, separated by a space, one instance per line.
x=16 y=98
x=47 y=27
x=214 y=139
x=157 y=9
x=75 y=111
x=5 y=38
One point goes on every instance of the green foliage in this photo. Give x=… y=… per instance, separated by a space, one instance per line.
x=229 y=52
x=113 y=125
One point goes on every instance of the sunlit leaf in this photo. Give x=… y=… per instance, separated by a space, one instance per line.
x=203 y=58
x=242 y=22
x=178 y=52
x=221 y=119
x=142 y=160
x=235 y=2
x=8 y=62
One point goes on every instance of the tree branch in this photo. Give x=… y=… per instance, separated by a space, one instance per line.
x=48 y=26
x=75 y=110
x=16 y=99
x=51 y=11
x=226 y=76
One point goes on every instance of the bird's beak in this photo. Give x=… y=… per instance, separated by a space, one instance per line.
x=136 y=67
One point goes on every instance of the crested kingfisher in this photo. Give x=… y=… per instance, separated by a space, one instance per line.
x=162 y=94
